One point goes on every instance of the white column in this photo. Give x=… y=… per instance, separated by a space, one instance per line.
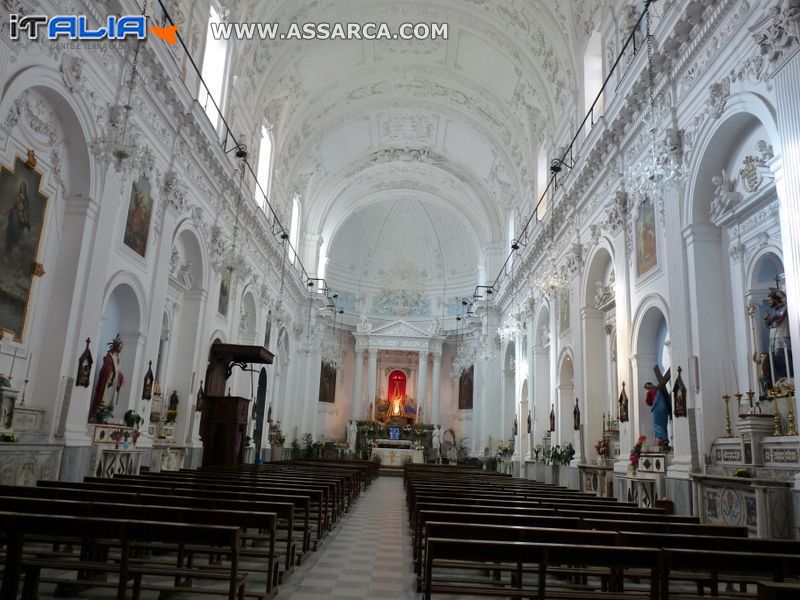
x=531 y=409
x=679 y=330
x=355 y=409
x=372 y=375
x=422 y=381
x=436 y=409
x=787 y=180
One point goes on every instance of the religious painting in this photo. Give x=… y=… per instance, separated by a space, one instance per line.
x=646 y=258
x=22 y=208
x=465 y=385
x=137 y=226
x=563 y=313
x=224 y=293
x=327 y=383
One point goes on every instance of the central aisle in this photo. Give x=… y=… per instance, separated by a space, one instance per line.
x=367 y=556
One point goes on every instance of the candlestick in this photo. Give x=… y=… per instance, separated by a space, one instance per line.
x=728 y=432
x=24 y=386
x=778 y=430
x=792 y=425
x=750 y=394
x=739 y=401
x=11 y=370
x=751 y=312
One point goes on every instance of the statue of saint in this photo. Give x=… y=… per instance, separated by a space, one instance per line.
x=658 y=402
x=780 y=347
x=552 y=418
x=352 y=435
x=109 y=381
x=764 y=372
x=576 y=417
x=436 y=442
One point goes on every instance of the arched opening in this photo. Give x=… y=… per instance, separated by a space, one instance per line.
x=599 y=352
x=652 y=352
x=281 y=362
x=261 y=408
x=541 y=374
x=509 y=377
x=771 y=355
x=396 y=386
x=184 y=358
x=248 y=319
x=121 y=317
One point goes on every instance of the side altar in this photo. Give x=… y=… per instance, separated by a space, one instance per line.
x=396 y=452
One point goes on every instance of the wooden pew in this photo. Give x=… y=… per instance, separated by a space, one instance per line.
x=483 y=554
x=19 y=528
x=135 y=513
x=189 y=498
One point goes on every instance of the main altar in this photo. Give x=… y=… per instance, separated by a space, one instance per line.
x=395 y=453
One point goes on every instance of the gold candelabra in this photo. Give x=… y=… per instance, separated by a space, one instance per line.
x=778 y=431
x=739 y=402
x=750 y=394
x=728 y=432
x=792 y=425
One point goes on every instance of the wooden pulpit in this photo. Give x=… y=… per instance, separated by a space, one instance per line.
x=223 y=424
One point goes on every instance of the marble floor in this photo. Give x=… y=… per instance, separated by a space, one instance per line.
x=368 y=555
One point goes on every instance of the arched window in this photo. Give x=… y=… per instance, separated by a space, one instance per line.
x=593 y=76
x=264 y=169
x=294 y=227
x=213 y=71
x=541 y=182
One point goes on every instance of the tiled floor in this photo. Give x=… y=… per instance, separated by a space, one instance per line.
x=368 y=555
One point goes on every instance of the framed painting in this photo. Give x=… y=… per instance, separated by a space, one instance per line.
x=646 y=256
x=22 y=210
x=224 y=293
x=465 y=389
x=137 y=225
x=563 y=311
x=327 y=383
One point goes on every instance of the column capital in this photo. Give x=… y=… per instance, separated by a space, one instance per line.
x=373 y=353
x=423 y=354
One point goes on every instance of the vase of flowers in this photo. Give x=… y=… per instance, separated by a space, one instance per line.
x=602 y=449
x=636 y=453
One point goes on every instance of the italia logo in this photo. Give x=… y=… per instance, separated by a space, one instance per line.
x=76 y=27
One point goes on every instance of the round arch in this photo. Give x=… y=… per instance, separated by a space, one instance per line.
x=741 y=110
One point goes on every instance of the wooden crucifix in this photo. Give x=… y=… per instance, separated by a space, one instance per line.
x=662 y=385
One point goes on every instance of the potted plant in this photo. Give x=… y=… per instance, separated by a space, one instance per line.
x=636 y=453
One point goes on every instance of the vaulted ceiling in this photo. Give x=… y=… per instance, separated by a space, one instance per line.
x=412 y=149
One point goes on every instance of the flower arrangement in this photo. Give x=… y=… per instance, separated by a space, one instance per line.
x=560 y=455
x=537 y=450
x=8 y=437
x=172 y=415
x=503 y=448
x=636 y=452
x=742 y=472
x=602 y=449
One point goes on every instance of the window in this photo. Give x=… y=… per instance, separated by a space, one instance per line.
x=541 y=183
x=294 y=227
x=264 y=167
x=213 y=71
x=593 y=77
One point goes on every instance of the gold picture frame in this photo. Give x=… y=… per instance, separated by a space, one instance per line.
x=23 y=208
